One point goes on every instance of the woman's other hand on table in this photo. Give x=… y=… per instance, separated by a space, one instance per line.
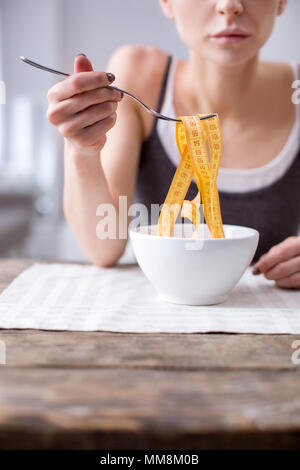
x=282 y=263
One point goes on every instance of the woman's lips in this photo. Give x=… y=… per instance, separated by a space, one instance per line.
x=228 y=37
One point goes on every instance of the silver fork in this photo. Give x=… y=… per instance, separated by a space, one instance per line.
x=155 y=113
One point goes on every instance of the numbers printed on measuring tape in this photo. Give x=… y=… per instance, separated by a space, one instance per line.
x=191 y=137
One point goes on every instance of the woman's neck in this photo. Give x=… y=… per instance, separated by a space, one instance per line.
x=215 y=88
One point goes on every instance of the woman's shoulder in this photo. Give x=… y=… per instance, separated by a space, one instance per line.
x=138 y=66
x=279 y=78
x=282 y=70
x=140 y=69
x=139 y=52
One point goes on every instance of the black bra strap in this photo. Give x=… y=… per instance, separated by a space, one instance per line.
x=161 y=96
x=164 y=85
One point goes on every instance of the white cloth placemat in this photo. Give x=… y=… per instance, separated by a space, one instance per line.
x=120 y=299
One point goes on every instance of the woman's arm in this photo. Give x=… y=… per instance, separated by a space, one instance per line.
x=91 y=181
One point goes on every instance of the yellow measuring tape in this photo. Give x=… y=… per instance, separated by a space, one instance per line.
x=191 y=137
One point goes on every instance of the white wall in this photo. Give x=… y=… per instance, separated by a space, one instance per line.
x=2 y=90
x=53 y=31
x=31 y=28
x=284 y=43
x=98 y=27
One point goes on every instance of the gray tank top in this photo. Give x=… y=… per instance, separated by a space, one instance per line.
x=273 y=210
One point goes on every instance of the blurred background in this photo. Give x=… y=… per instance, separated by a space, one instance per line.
x=52 y=32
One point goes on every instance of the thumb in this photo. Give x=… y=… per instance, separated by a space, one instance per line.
x=82 y=64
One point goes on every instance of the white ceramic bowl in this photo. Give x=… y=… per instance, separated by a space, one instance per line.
x=189 y=271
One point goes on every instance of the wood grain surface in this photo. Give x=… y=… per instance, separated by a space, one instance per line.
x=99 y=390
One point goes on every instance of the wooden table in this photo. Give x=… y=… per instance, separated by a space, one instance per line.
x=73 y=390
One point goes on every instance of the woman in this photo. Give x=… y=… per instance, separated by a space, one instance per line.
x=260 y=166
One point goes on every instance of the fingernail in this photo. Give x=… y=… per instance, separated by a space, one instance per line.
x=78 y=55
x=110 y=77
x=256 y=271
x=122 y=95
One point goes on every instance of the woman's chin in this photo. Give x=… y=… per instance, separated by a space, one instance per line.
x=230 y=58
